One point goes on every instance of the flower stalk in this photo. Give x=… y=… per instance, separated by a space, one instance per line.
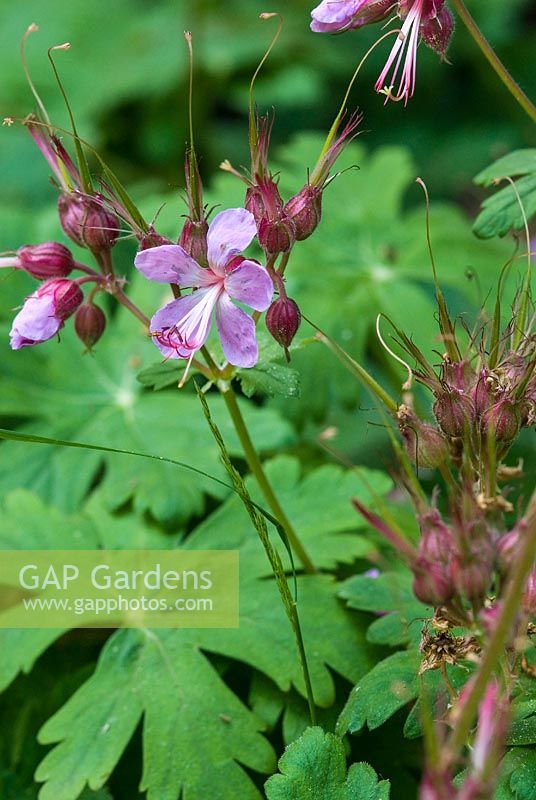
x=489 y=53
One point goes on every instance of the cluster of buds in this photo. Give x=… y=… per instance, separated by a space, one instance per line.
x=475 y=409
x=454 y=560
x=45 y=312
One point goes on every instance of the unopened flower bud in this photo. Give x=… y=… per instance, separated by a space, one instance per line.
x=455 y=412
x=193 y=239
x=436 y=31
x=305 y=211
x=276 y=235
x=85 y=220
x=502 y=421
x=263 y=200
x=152 y=239
x=46 y=260
x=66 y=294
x=436 y=537
x=432 y=583
x=89 y=324
x=484 y=394
x=425 y=444
x=283 y=320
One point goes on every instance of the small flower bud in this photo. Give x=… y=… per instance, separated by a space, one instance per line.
x=502 y=421
x=66 y=294
x=432 y=583
x=436 y=538
x=152 y=239
x=436 y=31
x=89 y=324
x=455 y=412
x=46 y=260
x=263 y=200
x=425 y=444
x=484 y=394
x=283 y=320
x=193 y=239
x=85 y=220
x=529 y=596
x=276 y=235
x=305 y=211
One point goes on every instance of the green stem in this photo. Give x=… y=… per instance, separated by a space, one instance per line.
x=515 y=90
x=500 y=636
x=256 y=468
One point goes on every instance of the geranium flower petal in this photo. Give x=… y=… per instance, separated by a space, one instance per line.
x=251 y=284
x=333 y=15
x=170 y=263
x=35 y=322
x=237 y=333
x=183 y=325
x=229 y=233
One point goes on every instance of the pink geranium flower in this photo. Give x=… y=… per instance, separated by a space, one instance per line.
x=181 y=327
x=44 y=312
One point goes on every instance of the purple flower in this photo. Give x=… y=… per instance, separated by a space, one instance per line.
x=181 y=327
x=44 y=312
x=335 y=16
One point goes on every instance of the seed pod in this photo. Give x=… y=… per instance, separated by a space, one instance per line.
x=85 y=220
x=424 y=443
x=89 y=324
x=283 y=320
x=46 y=260
x=455 y=413
x=502 y=421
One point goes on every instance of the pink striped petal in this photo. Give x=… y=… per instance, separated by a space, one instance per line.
x=182 y=326
x=237 y=333
x=169 y=263
x=229 y=233
x=35 y=322
x=250 y=283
